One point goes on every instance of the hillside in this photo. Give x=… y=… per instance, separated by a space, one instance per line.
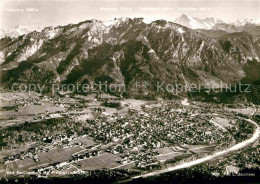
x=127 y=51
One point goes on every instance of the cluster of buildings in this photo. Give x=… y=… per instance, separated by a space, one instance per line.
x=135 y=137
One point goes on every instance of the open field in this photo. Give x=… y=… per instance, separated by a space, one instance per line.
x=200 y=148
x=50 y=157
x=105 y=160
x=169 y=156
x=246 y=111
x=223 y=122
x=10 y=152
x=86 y=141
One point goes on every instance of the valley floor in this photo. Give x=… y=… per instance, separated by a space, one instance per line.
x=77 y=134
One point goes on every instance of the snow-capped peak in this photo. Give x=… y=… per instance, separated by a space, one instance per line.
x=115 y=21
x=197 y=23
x=147 y=21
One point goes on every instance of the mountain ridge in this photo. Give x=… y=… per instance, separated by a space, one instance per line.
x=127 y=52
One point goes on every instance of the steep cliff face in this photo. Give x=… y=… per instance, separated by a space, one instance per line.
x=127 y=51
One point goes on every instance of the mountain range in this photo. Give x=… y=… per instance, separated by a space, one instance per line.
x=197 y=23
x=210 y=23
x=14 y=32
x=248 y=25
x=130 y=51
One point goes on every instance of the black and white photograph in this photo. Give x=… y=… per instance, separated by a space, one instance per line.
x=129 y=91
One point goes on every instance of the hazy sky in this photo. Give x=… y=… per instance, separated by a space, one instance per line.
x=61 y=12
